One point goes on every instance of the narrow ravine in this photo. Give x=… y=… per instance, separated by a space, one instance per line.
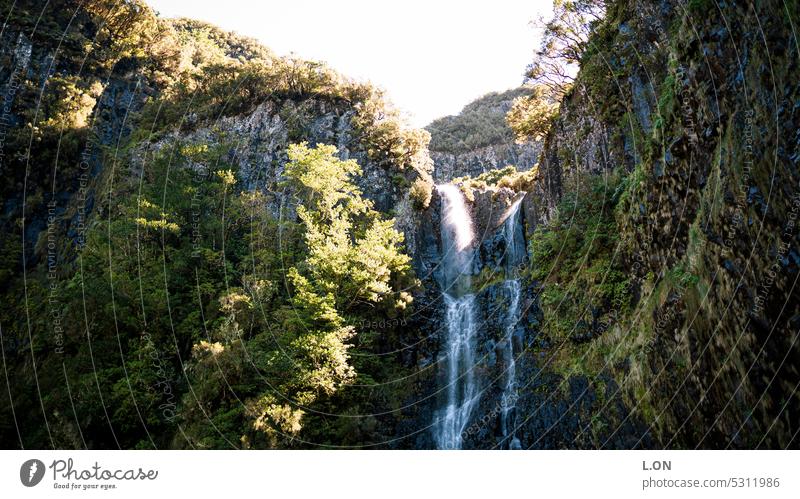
x=461 y=391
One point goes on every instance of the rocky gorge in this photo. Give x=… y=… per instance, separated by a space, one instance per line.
x=629 y=283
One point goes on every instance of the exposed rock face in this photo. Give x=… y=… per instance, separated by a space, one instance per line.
x=479 y=140
x=257 y=142
x=113 y=97
x=448 y=166
x=714 y=174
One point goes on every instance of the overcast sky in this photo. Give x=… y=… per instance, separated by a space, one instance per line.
x=432 y=57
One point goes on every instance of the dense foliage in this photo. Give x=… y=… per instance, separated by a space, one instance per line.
x=166 y=304
x=577 y=259
x=531 y=115
x=507 y=177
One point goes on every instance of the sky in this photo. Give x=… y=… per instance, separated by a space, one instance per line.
x=432 y=57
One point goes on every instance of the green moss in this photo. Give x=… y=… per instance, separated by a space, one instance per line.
x=400 y=181
x=577 y=259
x=702 y=7
x=487 y=277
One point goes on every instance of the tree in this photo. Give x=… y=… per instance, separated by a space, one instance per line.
x=352 y=256
x=551 y=74
x=531 y=115
x=351 y=250
x=564 y=40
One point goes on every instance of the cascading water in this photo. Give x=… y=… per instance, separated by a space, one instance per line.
x=462 y=388
x=515 y=255
x=456 y=265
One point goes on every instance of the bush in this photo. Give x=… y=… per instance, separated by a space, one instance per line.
x=507 y=177
x=421 y=194
x=577 y=259
x=564 y=38
x=531 y=116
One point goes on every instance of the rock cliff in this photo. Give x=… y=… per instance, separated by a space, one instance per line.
x=695 y=110
x=631 y=285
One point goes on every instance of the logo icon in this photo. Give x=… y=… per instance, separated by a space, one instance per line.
x=31 y=472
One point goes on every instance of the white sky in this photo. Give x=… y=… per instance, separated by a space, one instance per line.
x=432 y=57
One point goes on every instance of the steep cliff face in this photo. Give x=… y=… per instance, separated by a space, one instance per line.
x=659 y=308
x=478 y=140
x=256 y=143
x=694 y=110
x=636 y=289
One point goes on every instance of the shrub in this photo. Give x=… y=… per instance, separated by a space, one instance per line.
x=421 y=194
x=531 y=116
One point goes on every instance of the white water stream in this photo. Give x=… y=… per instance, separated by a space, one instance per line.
x=457 y=253
x=462 y=390
x=514 y=257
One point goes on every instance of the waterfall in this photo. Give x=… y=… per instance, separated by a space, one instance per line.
x=462 y=391
x=456 y=265
x=515 y=255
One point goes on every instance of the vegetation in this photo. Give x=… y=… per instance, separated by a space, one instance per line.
x=481 y=123
x=565 y=38
x=158 y=293
x=211 y=321
x=421 y=193
x=564 y=42
x=576 y=259
x=531 y=116
x=507 y=177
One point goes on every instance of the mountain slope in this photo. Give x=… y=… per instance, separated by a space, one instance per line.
x=163 y=274
x=478 y=139
x=666 y=210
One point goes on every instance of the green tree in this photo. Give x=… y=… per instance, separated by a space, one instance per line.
x=531 y=115
x=352 y=251
x=564 y=40
x=352 y=257
x=551 y=74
